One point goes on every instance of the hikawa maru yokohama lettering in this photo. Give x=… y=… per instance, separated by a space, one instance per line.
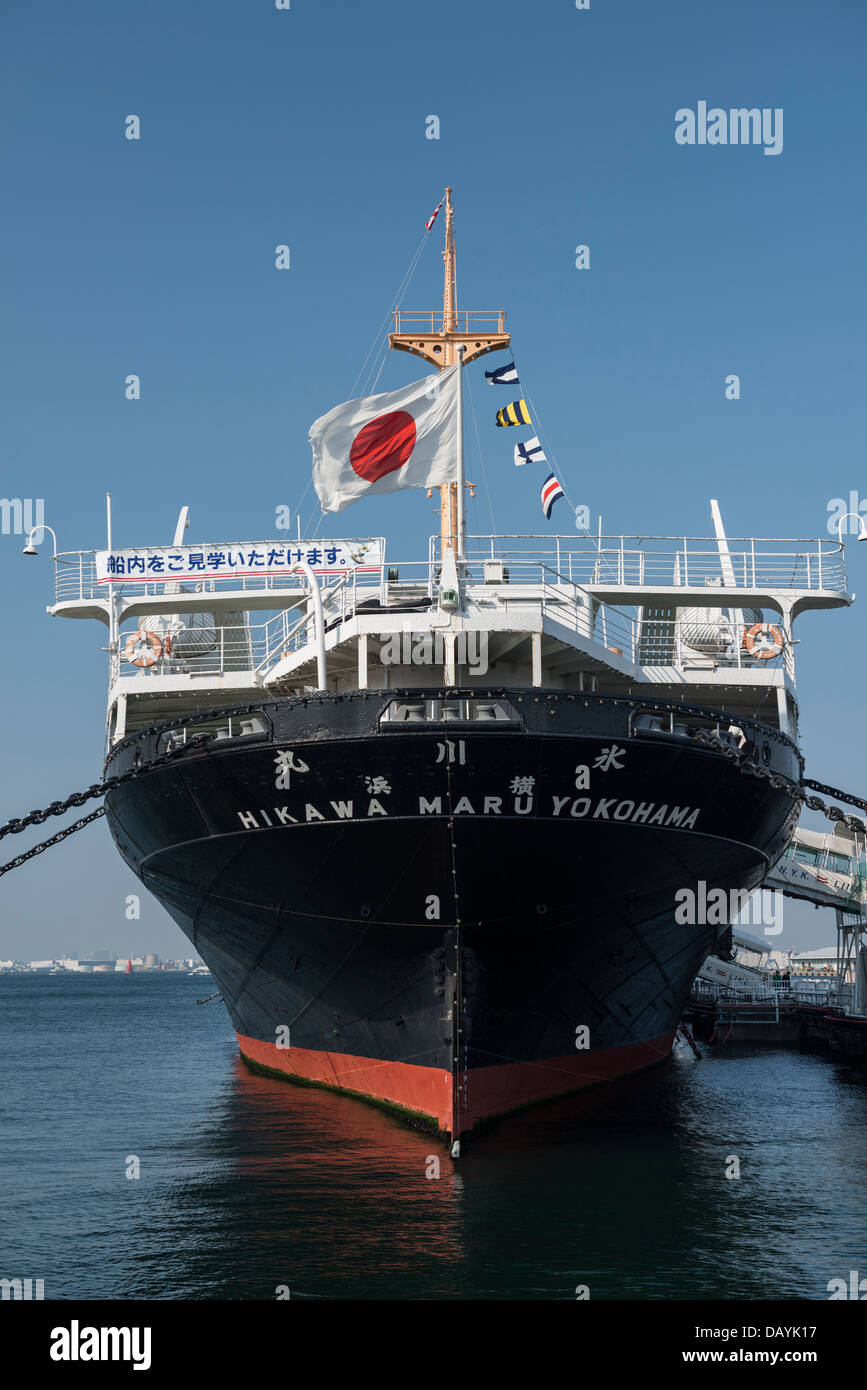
x=608 y=808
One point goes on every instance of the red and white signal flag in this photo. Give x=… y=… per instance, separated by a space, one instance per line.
x=433 y=217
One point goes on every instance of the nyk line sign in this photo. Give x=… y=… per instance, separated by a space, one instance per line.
x=608 y=808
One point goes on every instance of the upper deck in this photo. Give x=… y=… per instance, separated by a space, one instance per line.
x=797 y=574
x=608 y=613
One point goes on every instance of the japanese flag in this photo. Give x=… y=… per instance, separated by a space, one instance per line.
x=405 y=438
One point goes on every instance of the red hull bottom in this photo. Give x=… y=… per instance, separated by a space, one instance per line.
x=453 y=1105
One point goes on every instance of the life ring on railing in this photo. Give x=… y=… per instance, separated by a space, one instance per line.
x=771 y=638
x=144 y=648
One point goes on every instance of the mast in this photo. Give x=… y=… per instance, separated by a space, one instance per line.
x=450 y=289
x=449 y=530
x=455 y=335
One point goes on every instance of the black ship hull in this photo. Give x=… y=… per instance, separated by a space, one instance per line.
x=453 y=917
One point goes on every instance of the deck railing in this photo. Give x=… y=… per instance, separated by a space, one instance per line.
x=466 y=321
x=671 y=562
x=660 y=562
x=220 y=649
x=824 y=993
x=525 y=590
x=76 y=581
x=212 y=649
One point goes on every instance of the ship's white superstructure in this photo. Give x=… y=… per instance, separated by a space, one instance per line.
x=619 y=614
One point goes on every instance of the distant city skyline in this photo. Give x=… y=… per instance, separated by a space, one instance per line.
x=146 y=961
x=804 y=927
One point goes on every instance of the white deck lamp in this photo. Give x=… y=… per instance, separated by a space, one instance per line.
x=31 y=549
x=862 y=526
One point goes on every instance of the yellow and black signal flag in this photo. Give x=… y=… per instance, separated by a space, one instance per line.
x=515 y=413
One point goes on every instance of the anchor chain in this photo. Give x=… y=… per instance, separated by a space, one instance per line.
x=55 y=840
x=833 y=791
x=798 y=792
x=57 y=808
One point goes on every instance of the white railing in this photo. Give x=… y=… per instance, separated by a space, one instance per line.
x=669 y=561
x=211 y=650
x=76 y=581
x=666 y=562
x=523 y=590
x=736 y=994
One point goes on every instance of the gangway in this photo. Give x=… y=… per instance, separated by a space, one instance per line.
x=736 y=998
x=829 y=870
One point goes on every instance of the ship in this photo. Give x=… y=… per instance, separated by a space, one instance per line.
x=426 y=820
x=745 y=969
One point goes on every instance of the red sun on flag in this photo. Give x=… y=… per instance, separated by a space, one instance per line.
x=382 y=445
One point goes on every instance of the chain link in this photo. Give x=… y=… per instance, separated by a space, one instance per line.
x=57 y=808
x=797 y=792
x=833 y=791
x=55 y=840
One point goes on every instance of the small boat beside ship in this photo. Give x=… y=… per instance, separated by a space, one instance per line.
x=744 y=969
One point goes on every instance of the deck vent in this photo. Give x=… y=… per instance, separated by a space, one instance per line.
x=255 y=725
x=467 y=710
x=656 y=635
x=658 y=726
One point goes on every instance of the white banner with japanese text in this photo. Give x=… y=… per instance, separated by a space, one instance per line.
x=260 y=559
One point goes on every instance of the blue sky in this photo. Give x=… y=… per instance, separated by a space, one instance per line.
x=307 y=127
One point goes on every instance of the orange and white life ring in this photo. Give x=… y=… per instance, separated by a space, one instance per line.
x=144 y=648
x=764 y=641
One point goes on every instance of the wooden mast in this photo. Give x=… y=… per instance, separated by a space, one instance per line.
x=477 y=331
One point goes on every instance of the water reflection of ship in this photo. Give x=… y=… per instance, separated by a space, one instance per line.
x=333 y=1200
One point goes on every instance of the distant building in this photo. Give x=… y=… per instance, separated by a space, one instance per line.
x=821 y=961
